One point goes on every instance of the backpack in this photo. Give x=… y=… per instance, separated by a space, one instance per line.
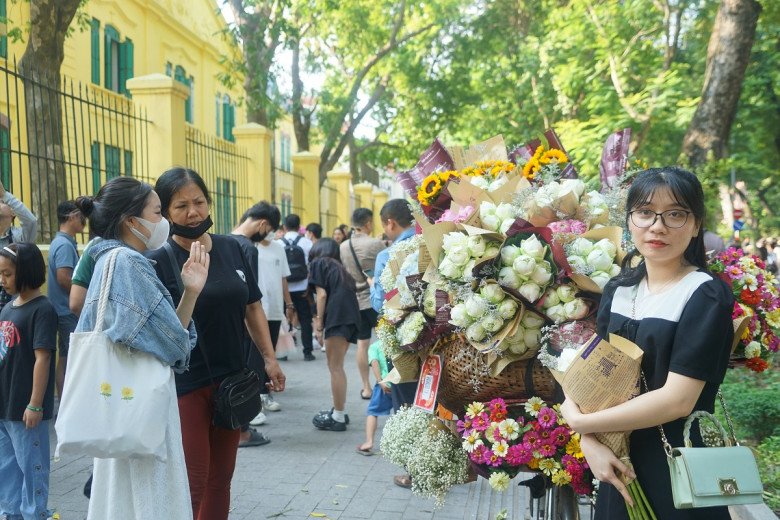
x=296 y=259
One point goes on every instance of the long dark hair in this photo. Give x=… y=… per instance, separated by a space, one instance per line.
x=687 y=192
x=327 y=249
x=118 y=199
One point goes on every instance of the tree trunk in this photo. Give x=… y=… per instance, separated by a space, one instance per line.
x=301 y=116
x=40 y=69
x=727 y=58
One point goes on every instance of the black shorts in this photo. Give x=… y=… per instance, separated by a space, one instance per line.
x=368 y=318
x=345 y=331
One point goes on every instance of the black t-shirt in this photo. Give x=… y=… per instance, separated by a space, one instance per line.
x=219 y=311
x=342 y=306
x=250 y=252
x=686 y=329
x=22 y=330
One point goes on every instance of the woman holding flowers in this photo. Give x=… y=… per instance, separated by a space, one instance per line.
x=680 y=315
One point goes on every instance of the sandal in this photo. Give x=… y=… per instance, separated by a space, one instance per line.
x=365 y=452
x=404 y=481
x=363 y=396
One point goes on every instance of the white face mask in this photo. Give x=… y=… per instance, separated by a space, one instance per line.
x=159 y=231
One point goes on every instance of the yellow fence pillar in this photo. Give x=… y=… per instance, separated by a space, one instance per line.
x=162 y=98
x=256 y=140
x=307 y=166
x=340 y=181
x=363 y=190
x=379 y=199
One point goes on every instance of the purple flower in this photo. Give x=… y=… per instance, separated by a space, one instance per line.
x=547 y=417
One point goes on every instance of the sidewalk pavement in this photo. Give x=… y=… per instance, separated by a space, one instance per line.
x=305 y=473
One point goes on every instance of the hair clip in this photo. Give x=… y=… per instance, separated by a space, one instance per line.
x=10 y=251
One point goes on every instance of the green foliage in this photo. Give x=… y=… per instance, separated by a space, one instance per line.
x=753 y=404
x=768 y=458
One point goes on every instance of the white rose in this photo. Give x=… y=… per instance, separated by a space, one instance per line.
x=614 y=270
x=454 y=239
x=505 y=225
x=567 y=357
x=607 y=246
x=468 y=269
x=496 y=184
x=480 y=182
x=594 y=198
x=508 y=277
x=600 y=277
x=753 y=349
x=532 y=247
x=476 y=246
x=459 y=317
x=532 y=337
x=550 y=298
x=530 y=291
x=566 y=293
x=486 y=208
x=475 y=332
x=507 y=308
x=556 y=313
x=524 y=265
x=450 y=270
x=491 y=222
x=541 y=274
x=492 y=323
x=492 y=293
x=577 y=263
x=518 y=348
x=532 y=320
x=580 y=247
x=599 y=260
x=493 y=249
x=509 y=253
x=576 y=309
x=574 y=185
x=458 y=255
x=476 y=306
x=506 y=211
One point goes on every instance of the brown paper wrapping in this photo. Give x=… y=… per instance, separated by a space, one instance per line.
x=492 y=149
x=562 y=208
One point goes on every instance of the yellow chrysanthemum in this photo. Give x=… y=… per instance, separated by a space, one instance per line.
x=561 y=477
x=548 y=466
x=499 y=481
x=573 y=446
x=105 y=389
x=534 y=464
x=553 y=155
x=127 y=393
x=531 y=167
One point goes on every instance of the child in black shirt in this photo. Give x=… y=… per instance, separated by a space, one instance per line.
x=28 y=328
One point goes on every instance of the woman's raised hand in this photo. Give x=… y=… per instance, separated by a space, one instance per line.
x=196 y=269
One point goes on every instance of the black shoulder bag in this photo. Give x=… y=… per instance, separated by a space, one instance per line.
x=237 y=399
x=357 y=262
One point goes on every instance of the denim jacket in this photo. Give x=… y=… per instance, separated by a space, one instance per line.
x=140 y=311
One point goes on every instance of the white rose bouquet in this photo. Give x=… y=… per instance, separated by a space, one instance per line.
x=524 y=268
x=411 y=330
x=461 y=253
x=498 y=217
x=592 y=259
x=484 y=314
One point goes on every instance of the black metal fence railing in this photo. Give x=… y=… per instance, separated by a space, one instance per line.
x=224 y=167
x=60 y=139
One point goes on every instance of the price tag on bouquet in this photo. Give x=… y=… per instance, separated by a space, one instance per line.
x=428 y=385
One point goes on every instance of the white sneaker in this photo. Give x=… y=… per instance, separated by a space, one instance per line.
x=258 y=420
x=269 y=403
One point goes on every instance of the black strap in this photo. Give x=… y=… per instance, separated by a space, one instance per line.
x=297 y=239
x=286 y=242
x=357 y=261
x=177 y=273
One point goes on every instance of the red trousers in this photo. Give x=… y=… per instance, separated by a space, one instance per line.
x=210 y=454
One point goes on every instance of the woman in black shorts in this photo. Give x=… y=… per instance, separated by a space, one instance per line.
x=337 y=322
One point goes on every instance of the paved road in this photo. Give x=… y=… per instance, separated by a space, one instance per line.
x=305 y=473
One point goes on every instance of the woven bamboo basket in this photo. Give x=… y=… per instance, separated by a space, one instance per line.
x=466 y=377
x=408 y=366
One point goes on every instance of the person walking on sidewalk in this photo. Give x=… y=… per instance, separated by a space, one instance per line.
x=228 y=306
x=358 y=254
x=297 y=248
x=381 y=403
x=337 y=322
x=10 y=208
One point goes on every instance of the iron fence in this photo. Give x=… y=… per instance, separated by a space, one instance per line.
x=60 y=139
x=224 y=167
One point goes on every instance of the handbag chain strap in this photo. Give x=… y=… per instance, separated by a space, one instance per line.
x=664 y=440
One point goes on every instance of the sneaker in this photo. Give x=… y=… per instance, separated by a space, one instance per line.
x=325 y=413
x=322 y=348
x=258 y=420
x=269 y=403
x=255 y=439
x=308 y=356
x=326 y=422
x=283 y=358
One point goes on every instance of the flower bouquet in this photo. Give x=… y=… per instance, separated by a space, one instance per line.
x=757 y=306
x=502 y=439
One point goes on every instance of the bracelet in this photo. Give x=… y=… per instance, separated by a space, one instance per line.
x=34 y=408
x=289 y=306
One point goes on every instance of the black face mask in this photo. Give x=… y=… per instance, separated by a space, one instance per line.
x=258 y=237
x=192 y=232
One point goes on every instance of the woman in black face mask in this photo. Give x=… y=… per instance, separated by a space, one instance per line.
x=228 y=306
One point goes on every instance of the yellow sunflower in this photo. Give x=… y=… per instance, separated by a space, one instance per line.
x=539 y=151
x=531 y=167
x=429 y=189
x=554 y=155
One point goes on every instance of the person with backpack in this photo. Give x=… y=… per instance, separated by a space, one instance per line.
x=296 y=248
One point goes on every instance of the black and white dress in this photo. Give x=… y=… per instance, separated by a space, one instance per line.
x=685 y=329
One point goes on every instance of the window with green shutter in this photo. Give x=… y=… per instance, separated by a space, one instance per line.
x=5 y=157
x=95 y=153
x=111 y=59
x=226 y=205
x=128 y=163
x=95 y=55
x=218 y=104
x=228 y=119
x=4 y=36
x=126 y=60
x=113 y=166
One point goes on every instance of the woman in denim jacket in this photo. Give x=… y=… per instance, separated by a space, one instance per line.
x=141 y=315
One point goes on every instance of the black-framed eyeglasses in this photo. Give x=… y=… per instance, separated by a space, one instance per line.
x=671 y=218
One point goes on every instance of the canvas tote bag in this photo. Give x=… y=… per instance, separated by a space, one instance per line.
x=116 y=399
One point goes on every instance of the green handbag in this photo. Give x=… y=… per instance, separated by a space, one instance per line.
x=706 y=477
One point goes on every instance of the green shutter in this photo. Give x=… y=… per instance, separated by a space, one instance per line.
x=95 y=152
x=4 y=36
x=5 y=157
x=218 y=103
x=128 y=163
x=188 y=101
x=112 y=162
x=229 y=121
x=111 y=36
x=95 y=25
x=125 y=64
